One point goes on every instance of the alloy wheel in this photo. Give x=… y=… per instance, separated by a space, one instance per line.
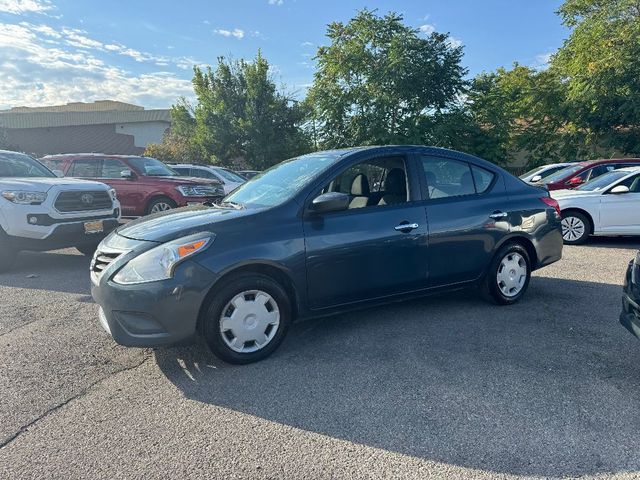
x=573 y=228
x=160 y=207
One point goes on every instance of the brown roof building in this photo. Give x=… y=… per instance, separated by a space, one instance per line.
x=104 y=126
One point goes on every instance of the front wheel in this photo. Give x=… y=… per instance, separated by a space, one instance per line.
x=508 y=276
x=160 y=204
x=575 y=228
x=247 y=319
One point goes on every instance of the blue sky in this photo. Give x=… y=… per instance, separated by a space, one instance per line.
x=142 y=51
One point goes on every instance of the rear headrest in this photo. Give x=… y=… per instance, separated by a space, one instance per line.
x=360 y=185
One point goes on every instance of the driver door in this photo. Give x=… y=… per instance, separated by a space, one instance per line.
x=363 y=252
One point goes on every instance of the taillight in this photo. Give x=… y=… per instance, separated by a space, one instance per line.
x=552 y=202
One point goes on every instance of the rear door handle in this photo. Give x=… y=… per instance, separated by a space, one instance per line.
x=497 y=215
x=406 y=227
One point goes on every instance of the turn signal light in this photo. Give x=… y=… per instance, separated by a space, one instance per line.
x=184 y=250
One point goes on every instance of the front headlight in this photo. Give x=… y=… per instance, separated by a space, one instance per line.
x=24 y=197
x=197 y=190
x=159 y=262
x=114 y=195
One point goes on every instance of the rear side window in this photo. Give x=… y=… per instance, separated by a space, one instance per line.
x=183 y=171
x=201 y=173
x=482 y=178
x=84 y=168
x=446 y=177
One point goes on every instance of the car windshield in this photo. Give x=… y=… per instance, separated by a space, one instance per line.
x=565 y=172
x=151 y=167
x=21 y=165
x=603 y=181
x=230 y=176
x=281 y=182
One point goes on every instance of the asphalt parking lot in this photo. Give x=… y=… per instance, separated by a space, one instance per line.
x=443 y=387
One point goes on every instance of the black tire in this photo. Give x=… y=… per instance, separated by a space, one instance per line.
x=88 y=249
x=212 y=318
x=491 y=288
x=571 y=222
x=159 y=201
x=8 y=254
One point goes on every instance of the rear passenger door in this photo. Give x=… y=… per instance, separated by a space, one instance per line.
x=460 y=199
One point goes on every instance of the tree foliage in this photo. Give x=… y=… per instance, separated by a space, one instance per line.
x=380 y=82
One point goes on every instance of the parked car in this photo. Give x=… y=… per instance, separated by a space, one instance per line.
x=144 y=185
x=39 y=211
x=310 y=237
x=630 y=315
x=229 y=180
x=541 y=172
x=583 y=172
x=248 y=173
x=607 y=205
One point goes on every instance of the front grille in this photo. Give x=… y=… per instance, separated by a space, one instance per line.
x=102 y=260
x=83 y=201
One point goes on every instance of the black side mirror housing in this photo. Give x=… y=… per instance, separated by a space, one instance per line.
x=330 y=202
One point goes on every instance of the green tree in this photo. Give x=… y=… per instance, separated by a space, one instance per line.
x=600 y=64
x=380 y=82
x=240 y=116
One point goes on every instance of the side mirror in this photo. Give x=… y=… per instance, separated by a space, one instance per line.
x=330 y=202
x=58 y=173
x=536 y=178
x=575 y=181
x=619 y=189
x=128 y=174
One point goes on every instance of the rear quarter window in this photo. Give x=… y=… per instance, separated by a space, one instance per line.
x=482 y=178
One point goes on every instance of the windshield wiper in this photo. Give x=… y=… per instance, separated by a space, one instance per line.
x=236 y=205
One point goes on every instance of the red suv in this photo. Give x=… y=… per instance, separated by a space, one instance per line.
x=143 y=185
x=582 y=172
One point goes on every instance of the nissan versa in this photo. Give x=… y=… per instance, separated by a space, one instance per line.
x=321 y=234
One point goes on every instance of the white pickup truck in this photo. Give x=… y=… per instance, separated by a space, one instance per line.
x=40 y=211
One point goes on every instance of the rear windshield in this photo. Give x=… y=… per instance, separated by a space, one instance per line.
x=20 y=165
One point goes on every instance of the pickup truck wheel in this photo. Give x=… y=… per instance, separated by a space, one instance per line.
x=7 y=253
x=508 y=276
x=247 y=319
x=88 y=249
x=160 y=204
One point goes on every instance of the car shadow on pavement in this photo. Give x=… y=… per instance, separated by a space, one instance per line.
x=613 y=242
x=546 y=387
x=54 y=271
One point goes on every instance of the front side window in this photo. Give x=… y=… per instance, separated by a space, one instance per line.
x=445 y=177
x=376 y=182
x=112 y=168
x=22 y=165
x=85 y=168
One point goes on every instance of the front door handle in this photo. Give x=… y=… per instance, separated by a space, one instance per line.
x=406 y=227
x=498 y=215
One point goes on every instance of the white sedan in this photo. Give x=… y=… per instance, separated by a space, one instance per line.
x=607 y=205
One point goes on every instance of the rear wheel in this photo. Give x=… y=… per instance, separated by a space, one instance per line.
x=247 y=319
x=576 y=228
x=508 y=276
x=160 y=204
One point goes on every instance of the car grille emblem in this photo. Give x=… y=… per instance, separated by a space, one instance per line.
x=86 y=199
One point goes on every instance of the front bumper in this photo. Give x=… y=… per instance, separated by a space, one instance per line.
x=630 y=315
x=155 y=313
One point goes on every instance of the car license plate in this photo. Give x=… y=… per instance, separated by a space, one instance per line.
x=93 y=227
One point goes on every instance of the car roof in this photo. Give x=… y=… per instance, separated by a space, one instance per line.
x=589 y=163
x=93 y=154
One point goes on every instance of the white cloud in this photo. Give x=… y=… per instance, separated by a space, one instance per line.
x=454 y=42
x=427 y=29
x=543 y=59
x=236 y=32
x=19 y=7
x=306 y=44
x=276 y=2
x=37 y=73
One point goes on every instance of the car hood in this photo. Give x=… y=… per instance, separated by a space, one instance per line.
x=44 y=184
x=166 y=226
x=565 y=194
x=184 y=180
